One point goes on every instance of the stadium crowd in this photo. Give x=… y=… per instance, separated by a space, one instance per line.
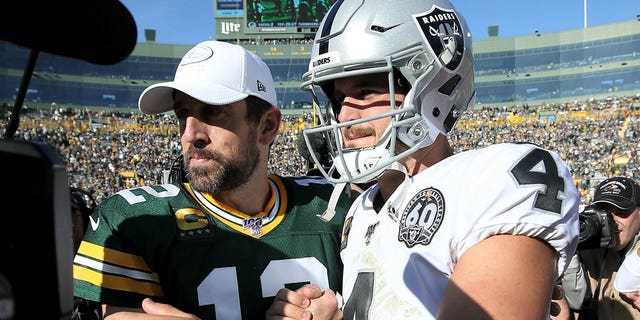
x=108 y=150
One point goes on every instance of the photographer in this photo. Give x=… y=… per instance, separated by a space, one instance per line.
x=608 y=232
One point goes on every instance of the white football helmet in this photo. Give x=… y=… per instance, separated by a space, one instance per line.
x=425 y=42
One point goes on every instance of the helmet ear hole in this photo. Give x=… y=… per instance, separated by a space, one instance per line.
x=402 y=84
x=448 y=87
x=451 y=119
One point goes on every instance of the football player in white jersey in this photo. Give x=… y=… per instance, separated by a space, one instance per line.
x=481 y=234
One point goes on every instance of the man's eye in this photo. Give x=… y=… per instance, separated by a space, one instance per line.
x=213 y=110
x=369 y=94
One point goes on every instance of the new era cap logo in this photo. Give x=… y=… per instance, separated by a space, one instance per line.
x=261 y=86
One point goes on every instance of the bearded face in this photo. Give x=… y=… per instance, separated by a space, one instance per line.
x=224 y=173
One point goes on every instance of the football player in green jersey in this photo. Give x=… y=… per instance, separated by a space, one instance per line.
x=220 y=245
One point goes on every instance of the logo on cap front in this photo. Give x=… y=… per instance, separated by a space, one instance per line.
x=197 y=54
x=613 y=187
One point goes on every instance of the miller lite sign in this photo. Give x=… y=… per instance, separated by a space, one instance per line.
x=229 y=27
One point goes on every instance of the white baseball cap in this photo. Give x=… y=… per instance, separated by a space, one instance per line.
x=215 y=73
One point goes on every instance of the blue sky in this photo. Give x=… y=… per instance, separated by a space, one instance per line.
x=191 y=21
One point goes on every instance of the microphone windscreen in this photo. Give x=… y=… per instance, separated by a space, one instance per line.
x=98 y=31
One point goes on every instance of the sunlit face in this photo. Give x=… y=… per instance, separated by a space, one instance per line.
x=364 y=96
x=627 y=225
x=218 y=142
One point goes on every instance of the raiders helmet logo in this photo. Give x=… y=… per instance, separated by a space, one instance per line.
x=442 y=30
x=421 y=218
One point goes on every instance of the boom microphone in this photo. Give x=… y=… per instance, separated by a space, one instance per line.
x=98 y=31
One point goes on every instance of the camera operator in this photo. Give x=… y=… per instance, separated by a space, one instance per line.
x=608 y=232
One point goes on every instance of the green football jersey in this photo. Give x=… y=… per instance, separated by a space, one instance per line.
x=178 y=246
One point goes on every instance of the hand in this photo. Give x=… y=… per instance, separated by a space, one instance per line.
x=151 y=307
x=559 y=308
x=308 y=302
x=153 y=310
x=632 y=298
x=290 y=304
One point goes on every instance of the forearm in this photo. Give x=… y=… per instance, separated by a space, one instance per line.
x=574 y=283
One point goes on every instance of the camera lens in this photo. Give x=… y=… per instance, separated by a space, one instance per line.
x=588 y=228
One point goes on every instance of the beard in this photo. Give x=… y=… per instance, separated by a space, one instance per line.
x=225 y=173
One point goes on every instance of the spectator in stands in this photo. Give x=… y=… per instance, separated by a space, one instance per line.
x=219 y=246
x=597 y=138
x=589 y=279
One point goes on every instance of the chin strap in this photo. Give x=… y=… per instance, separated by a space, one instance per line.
x=398 y=167
x=338 y=189
x=333 y=201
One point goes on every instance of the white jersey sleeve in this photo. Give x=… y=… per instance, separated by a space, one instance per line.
x=519 y=189
x=403 y=254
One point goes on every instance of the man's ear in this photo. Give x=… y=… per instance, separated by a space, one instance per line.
x=270 y=125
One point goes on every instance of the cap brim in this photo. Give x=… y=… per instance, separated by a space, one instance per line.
x=619 y=202
x=158 y=98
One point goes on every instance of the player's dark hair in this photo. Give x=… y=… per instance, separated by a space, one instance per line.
x=256 y=108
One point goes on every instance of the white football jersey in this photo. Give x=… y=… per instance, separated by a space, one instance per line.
x=398 y=261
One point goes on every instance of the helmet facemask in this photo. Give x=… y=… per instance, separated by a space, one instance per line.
x=360 y=165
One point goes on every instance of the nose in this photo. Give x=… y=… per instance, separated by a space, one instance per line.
x=194 y=131
x=349 y=110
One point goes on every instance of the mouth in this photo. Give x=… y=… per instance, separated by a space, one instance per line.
x=198 y=158
x=360 y=142
x=353 y=136
x=197 y=161
x=359 y=138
